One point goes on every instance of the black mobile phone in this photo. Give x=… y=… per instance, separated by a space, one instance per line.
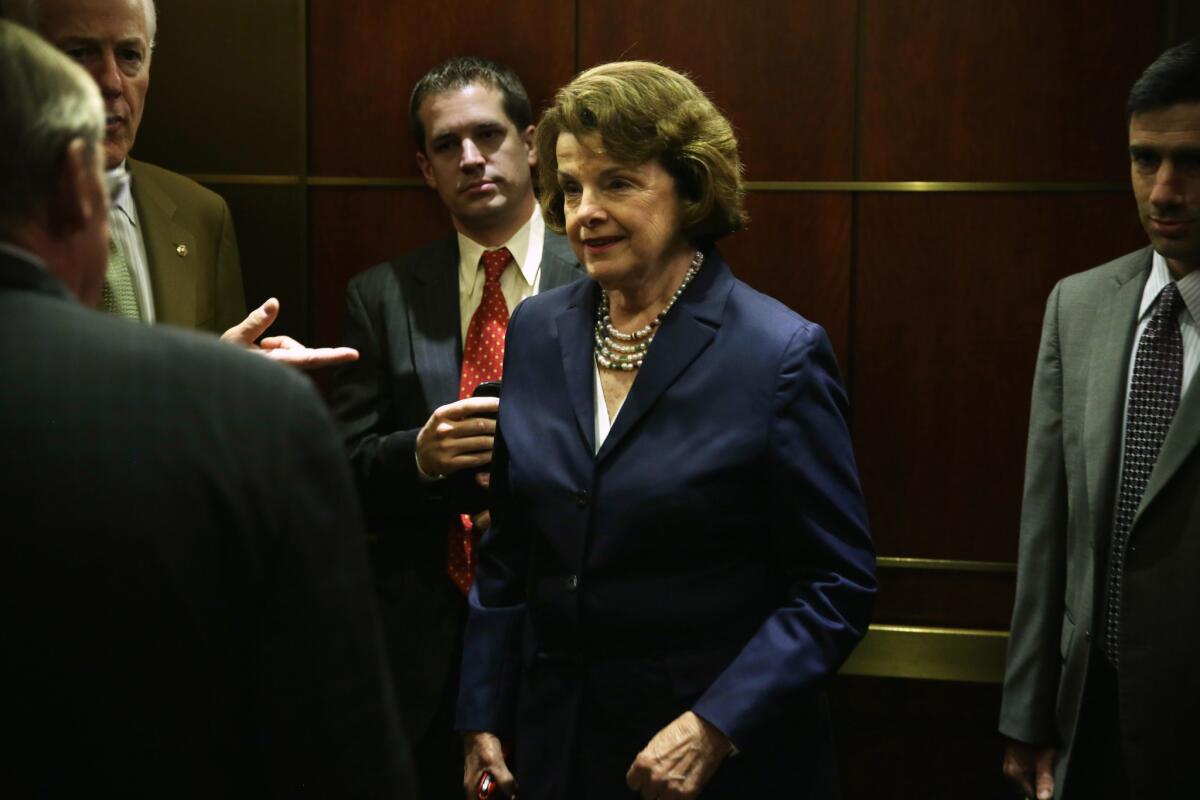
x=468 y=496
x=487 y=389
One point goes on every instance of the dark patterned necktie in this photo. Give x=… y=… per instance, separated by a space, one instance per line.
x=483 y=360
x=1153 y=398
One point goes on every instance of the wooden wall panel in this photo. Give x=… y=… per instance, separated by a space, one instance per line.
x=950 y=295
x=1022 y=90
x=226 y=88
x=354 y=229
x=270 y=234
x=917 y=740
x=982 y=600
x=782 y=70
x=797 y=249
x=366 y=55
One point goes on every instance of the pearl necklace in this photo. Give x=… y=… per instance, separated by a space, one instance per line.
x=627 y=351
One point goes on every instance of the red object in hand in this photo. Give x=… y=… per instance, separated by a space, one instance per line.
x=490 y=790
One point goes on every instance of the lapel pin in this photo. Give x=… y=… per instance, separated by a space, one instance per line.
x=181 y=250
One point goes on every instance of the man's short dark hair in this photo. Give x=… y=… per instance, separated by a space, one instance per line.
x=467 y=71
x=1173 y=78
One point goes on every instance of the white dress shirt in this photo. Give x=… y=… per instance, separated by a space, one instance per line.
x=603 y=423
x=1189 y=290
x=519 y=280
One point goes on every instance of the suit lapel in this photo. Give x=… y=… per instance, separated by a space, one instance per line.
x=686 y=332
x=434 y=327
x=172 y=284
x=1107 y=379
x=575 y=343
x=559 y=265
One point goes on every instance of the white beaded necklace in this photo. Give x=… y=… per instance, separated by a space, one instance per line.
x=627 y=351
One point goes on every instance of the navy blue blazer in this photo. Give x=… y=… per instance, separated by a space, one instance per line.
x=712 y=556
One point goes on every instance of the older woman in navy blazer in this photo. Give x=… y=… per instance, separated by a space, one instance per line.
x=679 y=556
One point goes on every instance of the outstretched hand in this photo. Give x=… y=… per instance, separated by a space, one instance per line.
x=284 y=349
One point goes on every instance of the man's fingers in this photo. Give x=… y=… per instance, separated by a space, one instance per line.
x=1015 y=772
x=310 y=357
x=254 y=325
x=1045 y=779
x=473 y=456
x=468 y=407
x=465 y=428
x=275 y=342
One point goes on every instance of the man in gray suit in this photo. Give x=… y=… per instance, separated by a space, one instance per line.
x=184 y=588
x=411 y=434
x=1101 y=695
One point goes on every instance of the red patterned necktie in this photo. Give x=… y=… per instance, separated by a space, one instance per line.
x=483 y=360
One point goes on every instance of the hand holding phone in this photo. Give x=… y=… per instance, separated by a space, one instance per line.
x=467 y=495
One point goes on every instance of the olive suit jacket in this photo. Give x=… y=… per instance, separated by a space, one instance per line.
x=191 y=250
x=1070 y=488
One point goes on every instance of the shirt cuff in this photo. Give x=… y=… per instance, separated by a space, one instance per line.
x=423 y=475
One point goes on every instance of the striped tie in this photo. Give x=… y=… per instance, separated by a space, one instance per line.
x=119 y=295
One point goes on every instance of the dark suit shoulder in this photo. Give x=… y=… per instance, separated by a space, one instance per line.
x=766 y=318
x=195 y=369
x=439 y=254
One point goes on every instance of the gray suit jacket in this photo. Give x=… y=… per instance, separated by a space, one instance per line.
x=1070 y=485
x=403 y=317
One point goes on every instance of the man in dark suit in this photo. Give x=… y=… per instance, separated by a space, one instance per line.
x=186 y=601
x=173 y=256
x=406 y=427
x=1100 y=694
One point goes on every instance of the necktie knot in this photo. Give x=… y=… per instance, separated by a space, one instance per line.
x=494 y=262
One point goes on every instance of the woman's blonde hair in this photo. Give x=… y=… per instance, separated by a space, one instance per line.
x=644 y=111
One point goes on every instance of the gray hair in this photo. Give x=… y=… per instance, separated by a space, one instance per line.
x=46 y=102
x=26 y=13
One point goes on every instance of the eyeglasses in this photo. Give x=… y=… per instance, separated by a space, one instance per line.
x=116 y=185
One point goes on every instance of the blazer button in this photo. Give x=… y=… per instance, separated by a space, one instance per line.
x=572 y=583
x=582 y=499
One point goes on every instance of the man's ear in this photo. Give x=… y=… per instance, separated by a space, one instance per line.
x=426 y=170
x=527 y=138
x=76 y=195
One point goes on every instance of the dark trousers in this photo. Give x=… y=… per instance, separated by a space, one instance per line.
x=1097 y=769
x=438 y=756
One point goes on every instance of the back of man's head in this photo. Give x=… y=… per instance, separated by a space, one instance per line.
x=46 y=102
x=467 y=71
x=1173 y=78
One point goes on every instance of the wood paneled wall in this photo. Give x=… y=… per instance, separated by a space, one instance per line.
x=932 y=295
